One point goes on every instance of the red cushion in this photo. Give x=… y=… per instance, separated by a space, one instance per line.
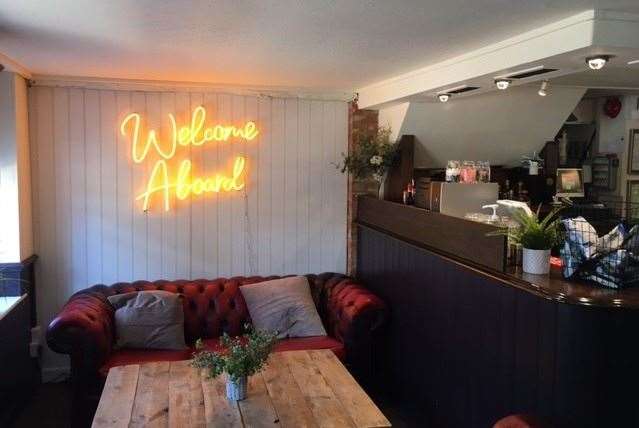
x=123 y=357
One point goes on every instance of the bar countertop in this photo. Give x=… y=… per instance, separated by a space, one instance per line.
x=552 y=287
x=555 y=287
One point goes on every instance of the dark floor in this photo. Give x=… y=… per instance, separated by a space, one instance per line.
x=51 y=408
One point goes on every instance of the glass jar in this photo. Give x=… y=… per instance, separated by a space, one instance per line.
x=483 y=172
x=452 y=171
x=468 y=172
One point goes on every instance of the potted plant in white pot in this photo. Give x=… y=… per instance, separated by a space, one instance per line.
x=239 y=358
x=537 y=237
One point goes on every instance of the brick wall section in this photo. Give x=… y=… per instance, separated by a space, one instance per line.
x=364 y=121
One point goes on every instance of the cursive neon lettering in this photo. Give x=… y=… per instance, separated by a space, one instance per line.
x=184 y=185
x=195 y=134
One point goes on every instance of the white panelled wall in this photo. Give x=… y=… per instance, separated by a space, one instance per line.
x=89 y=229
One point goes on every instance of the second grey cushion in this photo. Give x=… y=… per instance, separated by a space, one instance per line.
x=284 y=305
x=149 y=319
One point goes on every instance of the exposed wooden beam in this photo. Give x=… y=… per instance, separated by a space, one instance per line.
x=10 y=64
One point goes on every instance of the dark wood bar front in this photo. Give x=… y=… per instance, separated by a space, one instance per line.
x=469 y=344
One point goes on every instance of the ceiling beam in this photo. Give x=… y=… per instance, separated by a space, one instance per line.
x=576 y=33
x=14 y=66
x=157 y=85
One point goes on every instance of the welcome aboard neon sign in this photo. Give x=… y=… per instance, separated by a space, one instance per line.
x=196 y=133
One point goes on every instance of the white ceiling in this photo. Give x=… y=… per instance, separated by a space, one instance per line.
x=331 y=44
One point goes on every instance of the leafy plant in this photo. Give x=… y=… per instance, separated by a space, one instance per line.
x=239 y=357
x=533 y=233
x=372 y=155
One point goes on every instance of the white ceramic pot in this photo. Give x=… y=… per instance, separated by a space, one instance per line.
x=236 y=389
x=533 y=168
x=536 y=261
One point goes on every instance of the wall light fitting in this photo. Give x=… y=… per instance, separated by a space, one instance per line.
x=443 y=97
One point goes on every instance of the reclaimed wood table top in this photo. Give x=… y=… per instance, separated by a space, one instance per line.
x=295 y=389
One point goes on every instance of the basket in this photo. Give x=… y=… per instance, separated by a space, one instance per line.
x=602 y=248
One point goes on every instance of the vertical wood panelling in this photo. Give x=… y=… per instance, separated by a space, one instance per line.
x=290 y=184
x=238 y=231
x=278 y=192
x=225 y=223
x=63 y=191
x=108 y=185
x=125 y=195
x=183 y=210
x=264 y=194
x=169 y=229
x=89 y=228
x=78 y=208
x=139 y=230
x=154 y=218
x=303 y=149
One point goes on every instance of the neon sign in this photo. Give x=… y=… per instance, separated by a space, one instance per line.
x=196 y=134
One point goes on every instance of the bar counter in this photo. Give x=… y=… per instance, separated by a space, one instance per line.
x=484 y=253
x=470 y=341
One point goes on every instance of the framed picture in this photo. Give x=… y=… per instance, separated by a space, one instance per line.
x=632 y=199
x=633 y=152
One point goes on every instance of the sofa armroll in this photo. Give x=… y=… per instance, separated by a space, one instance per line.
x=84 y=329
x=352 y=313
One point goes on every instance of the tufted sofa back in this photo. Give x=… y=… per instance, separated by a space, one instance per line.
x=211 y=307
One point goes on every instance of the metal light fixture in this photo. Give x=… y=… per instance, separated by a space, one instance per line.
x=502 y=84
x=597 y=62
x=542 y=90
x=443 y=97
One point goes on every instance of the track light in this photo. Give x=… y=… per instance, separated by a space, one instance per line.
x=443 y=97
x=542 y=90
x=597 y=62
x=502 y=84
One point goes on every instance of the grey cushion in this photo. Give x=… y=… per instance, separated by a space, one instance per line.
x=149 y=319
x=284 y=305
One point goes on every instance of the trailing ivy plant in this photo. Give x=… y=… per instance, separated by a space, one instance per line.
x=533 y=233
x=239 y=356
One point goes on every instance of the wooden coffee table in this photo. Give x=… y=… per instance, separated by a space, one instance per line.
x=296 y=389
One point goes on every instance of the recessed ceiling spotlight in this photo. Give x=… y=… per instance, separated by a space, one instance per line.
x=597 y=62
x=502 y=84
x=636 y=61
x=443 y=97
x=542 y=90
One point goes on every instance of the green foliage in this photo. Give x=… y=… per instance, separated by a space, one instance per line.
x=533 y=233
x=240 y=356
x=372 y=155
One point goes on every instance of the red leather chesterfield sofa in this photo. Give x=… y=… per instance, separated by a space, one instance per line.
x=85 y=330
